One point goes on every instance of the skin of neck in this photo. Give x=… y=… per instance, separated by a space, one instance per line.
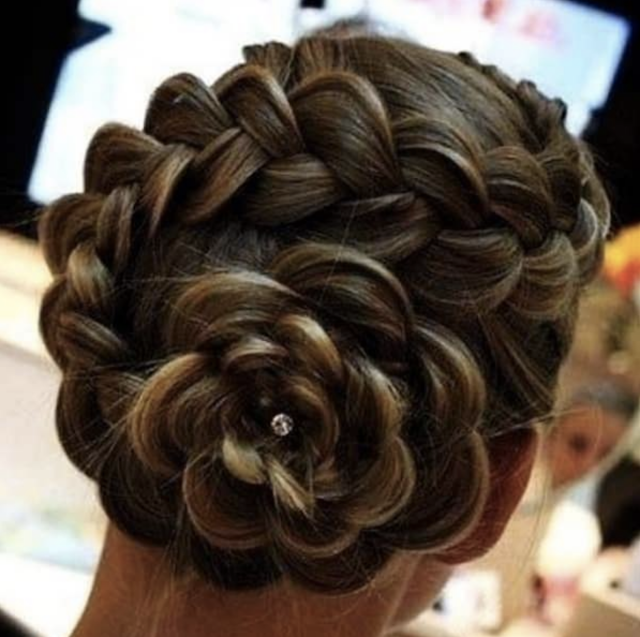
x=134 y=595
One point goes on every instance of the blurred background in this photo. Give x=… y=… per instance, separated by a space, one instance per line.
x=567 y=566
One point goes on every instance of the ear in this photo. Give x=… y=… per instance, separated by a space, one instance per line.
x=511 y=459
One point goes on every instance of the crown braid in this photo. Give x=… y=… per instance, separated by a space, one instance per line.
x=385 y=242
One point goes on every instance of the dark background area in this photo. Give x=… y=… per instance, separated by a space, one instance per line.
x=47 y=31
x=615 y=133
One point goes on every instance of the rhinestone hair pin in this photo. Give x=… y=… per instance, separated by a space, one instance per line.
x=282 y=424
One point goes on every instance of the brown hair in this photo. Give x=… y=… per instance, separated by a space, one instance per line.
x=383 y=241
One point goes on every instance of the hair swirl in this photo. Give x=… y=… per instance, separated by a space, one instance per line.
x=383 y=241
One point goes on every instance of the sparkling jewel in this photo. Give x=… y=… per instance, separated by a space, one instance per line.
x=282 y=424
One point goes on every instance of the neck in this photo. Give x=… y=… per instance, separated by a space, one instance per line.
x=132 y=596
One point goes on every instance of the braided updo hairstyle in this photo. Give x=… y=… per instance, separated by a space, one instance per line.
x=382 y=242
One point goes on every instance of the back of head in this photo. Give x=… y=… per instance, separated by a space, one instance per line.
x=292 y=311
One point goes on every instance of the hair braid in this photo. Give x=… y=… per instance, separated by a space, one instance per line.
x=384 y=242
